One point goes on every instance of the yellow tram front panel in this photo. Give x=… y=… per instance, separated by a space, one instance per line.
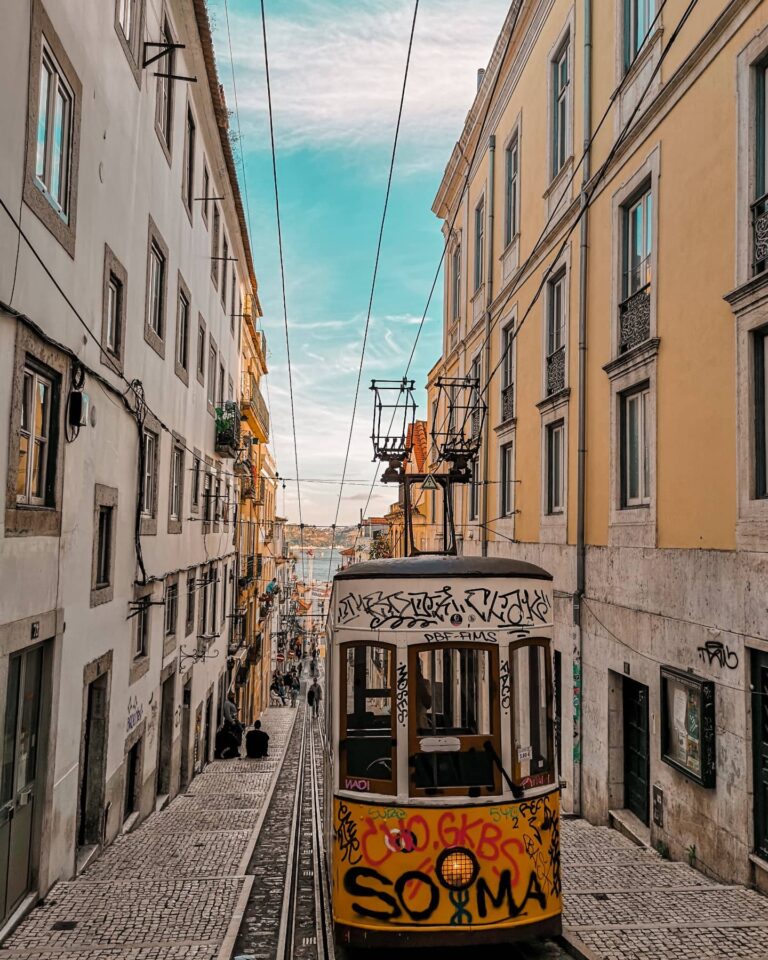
x=405 y=868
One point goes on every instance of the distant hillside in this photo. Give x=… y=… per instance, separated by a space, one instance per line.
x=318 y=537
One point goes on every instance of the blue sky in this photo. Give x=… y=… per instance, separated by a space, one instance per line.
x=336 y=68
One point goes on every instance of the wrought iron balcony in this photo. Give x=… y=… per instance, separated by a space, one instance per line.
x=255 y=409
x=246 y=571
x=508 y=403
x=760 y=234
x=635 y=319
x=556 y=371
x=227 y=428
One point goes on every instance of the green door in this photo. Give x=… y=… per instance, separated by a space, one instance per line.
x=18 y=787
x=760 y=731
x=636 y=749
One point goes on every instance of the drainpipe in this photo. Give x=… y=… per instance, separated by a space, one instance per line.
x=487 y=362
x=582 y=421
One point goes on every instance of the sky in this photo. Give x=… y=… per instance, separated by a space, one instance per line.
x=336 y=72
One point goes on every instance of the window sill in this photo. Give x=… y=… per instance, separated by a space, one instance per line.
x=510 y=258
x=554 y=402
x=100 y=595
x=25 y=520
x=639 y=356
x=169 y=645
x=174 y=526
x=148 y=526
x=154 y=340
x=181 y=373
x=506 y=426
x=139 y=668
x=632 y=527
x=560 y=189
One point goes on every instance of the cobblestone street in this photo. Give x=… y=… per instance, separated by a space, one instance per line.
x=203 y=880
x=170 y=889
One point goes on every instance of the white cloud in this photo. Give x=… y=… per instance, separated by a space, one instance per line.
x=336 y=71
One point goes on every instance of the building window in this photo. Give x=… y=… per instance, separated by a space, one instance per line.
x=171 y=608
x=760 y=343
x=156 y=287
x=215 y=245
x=207 y=497
x=474 y=492
x=149 y=475
x=555 y=467
x=206 y=191
x=113 y=310
x=456 y=283
x=177 y=482
x=636 y=272
x=232 y=303
x=638 y=18
x=200 y=349
x=196 y=483
x=560 y=92
x=211 y=373
x=182 y=331
x=635 y=454
x=164 y=100
x=510 y=194
x=217 y=501
x=224 y=269
x=507 y=480
x=508 y=372
x=760 y=202
x=126 y=17
x=104 y=547
x=34 y=475
x=556 y=307
x=188 y=185
x=479 y=243
x=54 y=134
x=142 y=628
x=221 y=384
x=191 y=587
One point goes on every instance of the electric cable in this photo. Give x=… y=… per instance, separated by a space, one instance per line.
x=375 y=269
x=282 y=262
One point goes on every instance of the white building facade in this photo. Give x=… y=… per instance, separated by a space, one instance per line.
x=125 y=269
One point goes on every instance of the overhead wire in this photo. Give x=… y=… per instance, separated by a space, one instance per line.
x=282 y=262
x=376 y=267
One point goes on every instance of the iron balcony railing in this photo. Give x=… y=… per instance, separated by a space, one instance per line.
x=508 y=402
x=257 y=404
x=556 y=371
x=246 y=570
x=635 y=319
x=227 y=428
x=760 y=234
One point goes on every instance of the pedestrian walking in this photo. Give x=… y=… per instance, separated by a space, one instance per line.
x=295 y=686
x=257 y=742
x=314 y=696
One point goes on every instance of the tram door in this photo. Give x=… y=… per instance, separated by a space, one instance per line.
x=760 y=730
x=636 y=749
x=18 y=787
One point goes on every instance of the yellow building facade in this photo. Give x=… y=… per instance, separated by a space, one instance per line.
x=251 y=649
x=612 y=303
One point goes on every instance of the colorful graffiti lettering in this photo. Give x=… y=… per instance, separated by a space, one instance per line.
x=351 y=784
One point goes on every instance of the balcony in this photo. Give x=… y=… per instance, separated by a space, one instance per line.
x=556 y=371
x=246 y=571
x=760 y=234
x=508 y=403
x=635 y=319
x=227 y=428
x=267 y=532
x=254 y=410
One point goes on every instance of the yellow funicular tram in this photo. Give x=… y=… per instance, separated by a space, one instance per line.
x=442 y=792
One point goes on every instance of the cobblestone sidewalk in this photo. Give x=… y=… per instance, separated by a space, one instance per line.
x=169 y=890
x=624 y=902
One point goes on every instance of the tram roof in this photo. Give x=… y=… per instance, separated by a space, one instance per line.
x=439 y=566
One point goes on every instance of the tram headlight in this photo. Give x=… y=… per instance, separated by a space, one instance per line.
x=457 y=868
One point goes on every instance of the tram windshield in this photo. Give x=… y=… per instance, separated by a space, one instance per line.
x=452 y=719
x=367 y=717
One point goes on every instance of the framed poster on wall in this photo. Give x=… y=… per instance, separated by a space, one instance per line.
x=688 y=725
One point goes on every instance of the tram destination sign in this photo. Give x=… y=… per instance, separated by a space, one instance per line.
x=445 y=608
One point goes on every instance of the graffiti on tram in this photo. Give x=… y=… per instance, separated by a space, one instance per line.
x=453 y=605
x=448 y=867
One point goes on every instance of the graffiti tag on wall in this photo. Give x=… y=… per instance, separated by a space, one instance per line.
x=402 y=694
x=716 y=650
x=387 y=863
x=135 y=713
x=521 y=608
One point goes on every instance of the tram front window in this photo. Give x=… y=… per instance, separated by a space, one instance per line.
x=453 y=719
x=367 y=718
x=532 y=720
